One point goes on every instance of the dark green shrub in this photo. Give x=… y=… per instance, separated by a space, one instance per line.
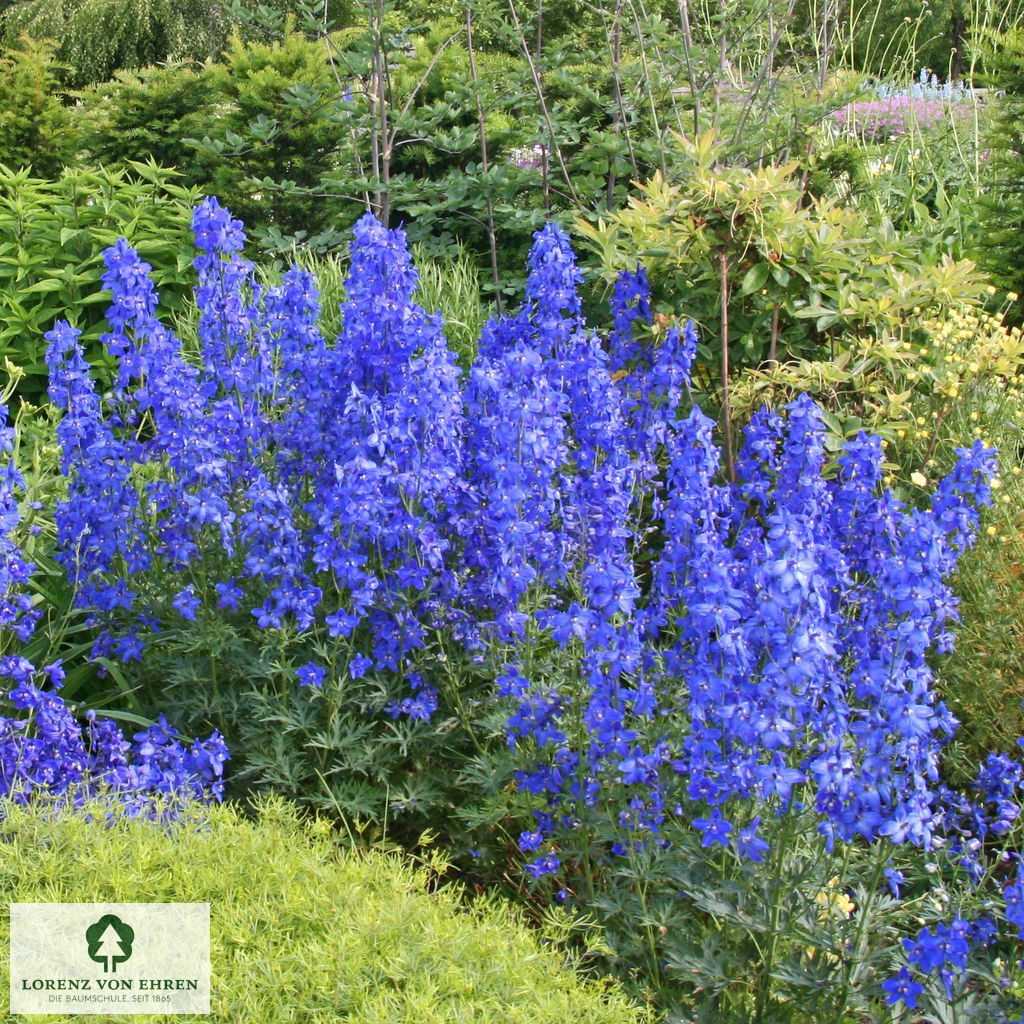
x=301 y=929
x=145 y=115
x=273 y=122
x=1000 y=239
x=334 y=748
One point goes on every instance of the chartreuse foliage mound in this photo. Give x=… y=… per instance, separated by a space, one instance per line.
x=302 y=930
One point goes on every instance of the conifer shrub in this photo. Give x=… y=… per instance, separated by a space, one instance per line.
x=1000 y=242
x=36 y=127
x=146 y=114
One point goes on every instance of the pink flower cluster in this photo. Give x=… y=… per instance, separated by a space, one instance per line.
x=878 y=120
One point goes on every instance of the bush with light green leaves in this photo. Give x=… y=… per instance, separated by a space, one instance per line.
x=303 y=929
x=52 y=235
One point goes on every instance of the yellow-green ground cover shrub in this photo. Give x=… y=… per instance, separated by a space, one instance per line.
x=303 y=929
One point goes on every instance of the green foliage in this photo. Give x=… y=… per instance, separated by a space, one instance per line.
x=35 y=127
x=145 y=115
x=52 y=237
x=272 y=122
x=983 y=678
x=925 y=176
x=95 y=38
x=795 y=275
x=334 y=748
x=377 y=940
x=393 y=121
x=472 y=144
x=909 y=389
x=806 y=935
x=1001 y=238
x=452 y=288
x=894 y=40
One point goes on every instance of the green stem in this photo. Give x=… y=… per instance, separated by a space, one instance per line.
x=776 y=888
x=854 y=959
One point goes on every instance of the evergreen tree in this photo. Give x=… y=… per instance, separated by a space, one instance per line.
x=34 y=123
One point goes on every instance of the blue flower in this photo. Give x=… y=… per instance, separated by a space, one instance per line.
x=229 y=594
x=902 y=988
x=187 y=603
x=530 y=841
x=358 y=666
x=749 y=844
x=366 y=485
x=547 y=865
x=310 y=674
x=895 y=880
x=714 y=829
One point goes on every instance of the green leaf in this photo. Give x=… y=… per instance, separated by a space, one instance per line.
x=47 y=285
x=754 y=279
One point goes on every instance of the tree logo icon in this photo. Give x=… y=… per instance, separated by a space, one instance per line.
x=110 y=942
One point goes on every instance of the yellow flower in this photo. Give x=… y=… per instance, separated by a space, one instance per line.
x=833 y=902
x=918 y=478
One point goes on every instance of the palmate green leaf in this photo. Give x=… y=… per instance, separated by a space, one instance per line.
x=724 y=911
x=711 y=969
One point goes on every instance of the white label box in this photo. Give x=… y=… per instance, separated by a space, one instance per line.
x=110 y=958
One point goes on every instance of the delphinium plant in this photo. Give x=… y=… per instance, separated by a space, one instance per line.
x=762 y=822
x=527 y=600
x=46 y=751
x=283 y=524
